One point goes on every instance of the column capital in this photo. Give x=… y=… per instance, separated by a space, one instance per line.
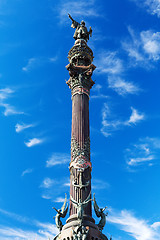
x=80 y=68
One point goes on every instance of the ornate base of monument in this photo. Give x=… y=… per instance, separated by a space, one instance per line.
x=75 y=230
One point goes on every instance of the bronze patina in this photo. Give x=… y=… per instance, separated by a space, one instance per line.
x=80 y=225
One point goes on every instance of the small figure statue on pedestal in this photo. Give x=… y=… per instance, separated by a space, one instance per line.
x=81 y=31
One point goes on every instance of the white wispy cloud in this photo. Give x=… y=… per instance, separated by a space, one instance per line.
x=121 y=86
x=109 y=62
x=41 y=230
x=97 y=87
x=139 y=160
x=34 y=141
x=45 y=196
x=155 y=225
x=14 y=216
x=152 y=6
x=57 y=159
x=151 y=44
x=37 y=62
x=48 y=183
x=138 y=228
x=67 y=184
x=10 y=110
x=135 y=117
x=77 y=9
x=99 y=96
x=60 y=200
x=20 y=127
x=31 y=64
x=27 y=171
x=6 y=93
x=42 y=233
x=143 y=48
x=99 y=184
x=97 y=92
x=110 y=125
x=143 y=152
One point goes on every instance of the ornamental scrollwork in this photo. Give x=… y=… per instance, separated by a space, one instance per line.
x=80 y=76
x=76 y=150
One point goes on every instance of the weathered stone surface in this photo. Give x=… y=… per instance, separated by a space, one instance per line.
x=80 y=225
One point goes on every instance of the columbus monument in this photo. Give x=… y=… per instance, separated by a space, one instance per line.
x=80 y=225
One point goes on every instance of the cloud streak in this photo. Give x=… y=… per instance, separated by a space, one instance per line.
x=49 y=185
x=108 y=62
x=77 y=9
x=6 y=93
x=34 y=141
x=22 y=127
x=57 y=159
x=10 y=110
x=138 y=228
x=110 y=125
x=152 y=6
x=97 y=92
x=135 y=117
x=37 y=62
x=42 y=233
x=121 y=86
x=143 y=153
x=100 y=184
x=143 y=48
x=41 y=230
x=27 y=171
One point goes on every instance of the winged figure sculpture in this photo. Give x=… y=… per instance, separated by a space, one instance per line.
x=61 y=213
x=100 y=213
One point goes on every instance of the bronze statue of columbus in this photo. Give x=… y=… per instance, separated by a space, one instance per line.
x=81 y=31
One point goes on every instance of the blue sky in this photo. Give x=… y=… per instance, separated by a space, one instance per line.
x=35 y=114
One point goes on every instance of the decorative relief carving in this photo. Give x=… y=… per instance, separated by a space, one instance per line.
x=80 y=206
x=81 y=184
x=80 y=232
x=80 y=163
x=80 y=76
x=76 y=150
x=80 y=156
x=80 y=50
x=80 y=90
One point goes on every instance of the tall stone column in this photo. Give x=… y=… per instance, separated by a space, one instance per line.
x=80 y=69
x=80 y=225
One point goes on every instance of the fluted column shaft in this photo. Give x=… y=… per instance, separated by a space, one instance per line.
x=80 y=69
x=80 y=133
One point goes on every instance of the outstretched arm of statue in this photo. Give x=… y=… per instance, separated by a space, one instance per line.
x=71 y=17
x=90 y=32
x=74 y=23
x=55 y=209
